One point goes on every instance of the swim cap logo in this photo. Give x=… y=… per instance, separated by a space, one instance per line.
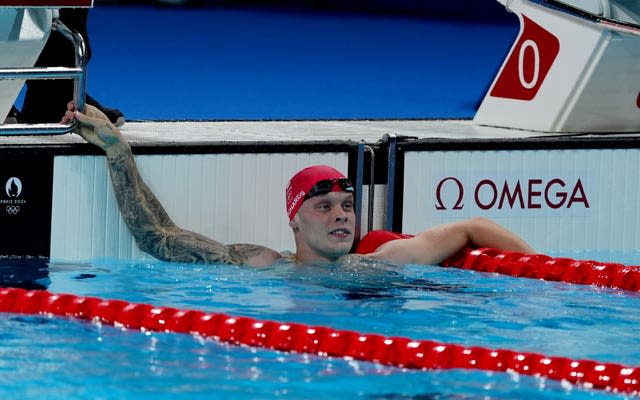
x=295 y=201
x=528 y=64
x=13 y=187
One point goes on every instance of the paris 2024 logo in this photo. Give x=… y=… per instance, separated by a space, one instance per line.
x=13 y=189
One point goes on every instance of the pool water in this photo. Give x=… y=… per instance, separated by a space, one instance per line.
x=58 y=357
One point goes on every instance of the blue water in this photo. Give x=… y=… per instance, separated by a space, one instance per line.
x=44 y=356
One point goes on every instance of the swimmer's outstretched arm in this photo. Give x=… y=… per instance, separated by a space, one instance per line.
x=436 y=244
x=154 y=231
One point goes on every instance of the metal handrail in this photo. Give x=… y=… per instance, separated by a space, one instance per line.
x=77 y=73
x=40 y=73
x=392 y=143
x=36 y=129
x=372 y=187
x=612 y=24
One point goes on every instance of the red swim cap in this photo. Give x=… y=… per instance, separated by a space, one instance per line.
x=303 y=181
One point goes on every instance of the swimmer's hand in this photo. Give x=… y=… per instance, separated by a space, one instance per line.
x=95 y=128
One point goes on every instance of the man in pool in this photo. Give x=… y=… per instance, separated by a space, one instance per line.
x=320 y=209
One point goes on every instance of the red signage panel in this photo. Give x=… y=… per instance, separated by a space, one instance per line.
x=528 y=64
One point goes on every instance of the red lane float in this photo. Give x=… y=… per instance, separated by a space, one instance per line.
x=540 y=266
x=324 y=341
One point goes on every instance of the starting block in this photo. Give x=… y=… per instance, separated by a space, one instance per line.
x=574 y=67
x=24 y=29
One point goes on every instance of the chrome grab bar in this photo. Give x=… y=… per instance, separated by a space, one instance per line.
x=612 y=24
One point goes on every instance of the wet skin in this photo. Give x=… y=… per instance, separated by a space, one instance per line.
x=324 y=227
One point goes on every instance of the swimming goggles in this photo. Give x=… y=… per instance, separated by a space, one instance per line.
x=326 y=185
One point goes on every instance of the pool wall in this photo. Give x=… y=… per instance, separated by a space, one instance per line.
x=558 y=193
x=234 y=197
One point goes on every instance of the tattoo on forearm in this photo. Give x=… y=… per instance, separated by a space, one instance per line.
x=134 y=196
x=156 y=233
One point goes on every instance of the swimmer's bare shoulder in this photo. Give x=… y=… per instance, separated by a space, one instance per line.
x=253 y=254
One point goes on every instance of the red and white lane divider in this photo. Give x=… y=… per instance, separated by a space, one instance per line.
x=324 y=341
x=540 y=266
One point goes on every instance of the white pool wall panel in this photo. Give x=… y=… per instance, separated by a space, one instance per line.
x=233 y=198
x=609 y=178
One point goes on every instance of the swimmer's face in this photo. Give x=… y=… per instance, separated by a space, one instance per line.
x=325 y=227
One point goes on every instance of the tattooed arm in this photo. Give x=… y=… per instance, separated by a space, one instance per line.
x=159 y=236
x=154 y=231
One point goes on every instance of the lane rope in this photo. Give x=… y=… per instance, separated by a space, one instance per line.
x=540 y=266
x=395 y=351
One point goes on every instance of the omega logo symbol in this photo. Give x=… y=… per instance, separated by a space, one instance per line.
x=458 y=203
x=13 y=187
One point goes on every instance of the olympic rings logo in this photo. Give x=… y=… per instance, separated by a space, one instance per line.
x=13 y=210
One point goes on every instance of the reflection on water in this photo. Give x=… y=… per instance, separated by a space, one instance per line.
x=24 y=272
x=366 y=279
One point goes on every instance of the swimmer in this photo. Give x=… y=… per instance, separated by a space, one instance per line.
x=320 y=206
